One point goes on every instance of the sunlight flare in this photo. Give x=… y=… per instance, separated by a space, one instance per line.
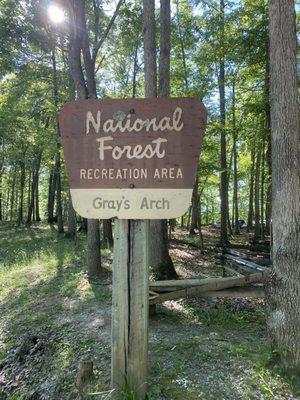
x=56 y=14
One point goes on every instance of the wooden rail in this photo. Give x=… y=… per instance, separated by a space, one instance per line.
x=246 y=273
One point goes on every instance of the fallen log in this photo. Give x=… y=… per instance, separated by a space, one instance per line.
x=248 y=264
x=243 y=269
x=259 y=258
x=247 y=291
x=232 y=271
x=211 y=284
x=179 y=283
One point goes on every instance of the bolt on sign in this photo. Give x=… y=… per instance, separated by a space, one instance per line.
x=133 y=158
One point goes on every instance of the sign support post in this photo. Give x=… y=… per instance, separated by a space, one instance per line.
x=133 y=160
x=130 y=307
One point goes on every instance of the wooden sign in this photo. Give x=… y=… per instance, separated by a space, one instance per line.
x=133 y=158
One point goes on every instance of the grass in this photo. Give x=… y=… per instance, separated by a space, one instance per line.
x=198 y=349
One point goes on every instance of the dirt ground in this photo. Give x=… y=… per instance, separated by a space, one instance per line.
x=51 y=316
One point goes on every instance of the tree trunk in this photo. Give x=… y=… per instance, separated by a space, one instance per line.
x=268 y=209
x=71 y=228
x=235 y=216
x=29 y=193
x=262 y=193
x=283 y=288
x=251 y=191
x=79 y=41
x=108 y=234
x=181 y=41
x=195 y=210
x=93 y=248
x=51 y=197
x=1 y=211
x=59 y=209
x=200 y=227
x=150 y=49
x=12 y=198
x=37 y=203
x=57 y=168
x=34 y=185
x=160 y=260
x=21 y=200
x=256 y=196
x=224 y=181
x=135 y=71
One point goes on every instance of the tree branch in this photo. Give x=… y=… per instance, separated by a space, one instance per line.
x=101 y=41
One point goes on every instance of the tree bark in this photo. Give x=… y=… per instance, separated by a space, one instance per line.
x=79 y=41
x=150 y=49
x=257 y=230
x=57 y=168
x=268 y=209
x=181 y=41
x=59 y=209
x=51 y=196
x=21 y=200
x=224 y=181
x=283 y=288
x=71 y=227
x=165 y=49
x=37 y=202
x=195 y=211
x=235 y=172
x=12 y=198
x=251 y=190
x=34 y=186
x=107 y=233
x=160 y=260
x=1 y=211
x=262 y=193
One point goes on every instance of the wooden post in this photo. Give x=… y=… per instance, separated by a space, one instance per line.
x=130 y=306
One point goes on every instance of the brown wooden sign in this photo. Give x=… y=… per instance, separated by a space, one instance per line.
x=133 y=158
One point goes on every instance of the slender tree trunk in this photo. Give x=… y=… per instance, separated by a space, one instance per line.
x=29 y=194
x=22 y=185
x=235 y=172
x=51 y=196
x=37 y=200
x=160 y=260
x=135 y=71
x=195 y=210
x=224 y=181
x=200 y=226
x=59 y=208
x=1 y=211
x=283 y=288
x=12 y=198
x=150 y=69
x=71 y=227
x=181 y=41
x=1 y=188
x=34 y=187
x=188 y=224
x=251 y=191
x=257 y=229
x=79 y=41
x=6 y=206
x=57 y=168
x=108 y=234
x=262 y=193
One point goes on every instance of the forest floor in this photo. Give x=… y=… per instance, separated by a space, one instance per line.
x=51 y=316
